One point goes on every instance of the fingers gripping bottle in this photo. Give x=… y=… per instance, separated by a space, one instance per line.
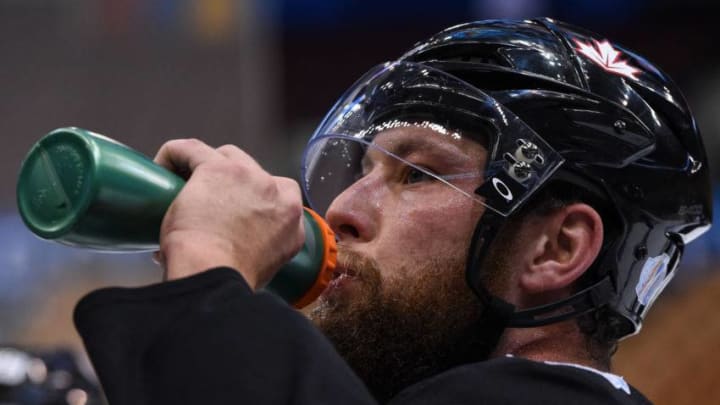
x=86 y=190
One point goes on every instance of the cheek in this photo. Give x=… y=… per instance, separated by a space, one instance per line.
x=437 y=229
x=444 y=220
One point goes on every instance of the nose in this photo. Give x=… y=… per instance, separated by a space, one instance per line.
x=351 y=216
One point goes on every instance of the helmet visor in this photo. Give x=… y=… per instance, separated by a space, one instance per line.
x=435 y=108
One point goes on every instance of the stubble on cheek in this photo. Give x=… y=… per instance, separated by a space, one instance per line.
x=442 y=224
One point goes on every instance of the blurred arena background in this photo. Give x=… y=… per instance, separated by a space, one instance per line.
x=261 y=74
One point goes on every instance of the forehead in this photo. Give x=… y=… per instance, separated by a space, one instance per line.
x=432 y=142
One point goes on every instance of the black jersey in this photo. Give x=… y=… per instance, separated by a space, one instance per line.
x=208 y=339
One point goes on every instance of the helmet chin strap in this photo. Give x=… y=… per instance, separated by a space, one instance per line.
x=499 y=314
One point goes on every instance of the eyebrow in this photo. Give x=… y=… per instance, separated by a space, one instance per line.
x=404 y=148
x=407 y=147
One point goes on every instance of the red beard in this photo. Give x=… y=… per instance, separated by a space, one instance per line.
x=395 y=333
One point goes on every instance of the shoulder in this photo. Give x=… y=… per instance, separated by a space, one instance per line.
x=511 y=380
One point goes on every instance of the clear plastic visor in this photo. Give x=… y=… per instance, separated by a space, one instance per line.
x=400 y=109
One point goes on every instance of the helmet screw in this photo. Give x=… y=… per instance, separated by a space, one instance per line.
x=640 y=252
x=529 y=150
x=521 y=170
x=695 y=165
x=619 y=126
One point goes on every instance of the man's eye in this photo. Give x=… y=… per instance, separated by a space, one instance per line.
x=416 y=176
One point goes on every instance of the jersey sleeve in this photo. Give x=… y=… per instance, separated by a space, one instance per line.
x=208 y=339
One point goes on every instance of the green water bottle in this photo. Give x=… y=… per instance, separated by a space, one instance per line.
x=86 y=190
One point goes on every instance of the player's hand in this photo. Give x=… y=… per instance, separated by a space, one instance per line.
x=230 y=213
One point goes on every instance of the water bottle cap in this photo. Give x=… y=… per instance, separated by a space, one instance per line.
x=329 y=262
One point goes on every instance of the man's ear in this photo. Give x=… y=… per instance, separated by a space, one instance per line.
x=563 y=245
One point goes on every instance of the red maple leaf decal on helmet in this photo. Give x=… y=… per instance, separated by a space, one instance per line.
x=607 y=57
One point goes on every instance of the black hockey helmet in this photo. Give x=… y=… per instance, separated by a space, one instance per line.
x=565 y=105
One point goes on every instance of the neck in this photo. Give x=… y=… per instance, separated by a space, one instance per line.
x=560 y=342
